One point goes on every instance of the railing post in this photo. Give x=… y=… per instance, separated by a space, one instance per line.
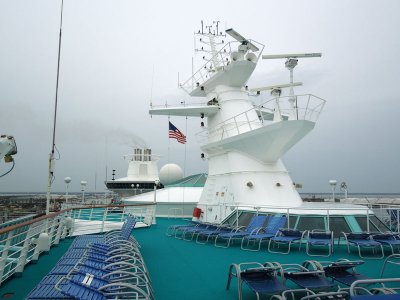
x=287 y=217
x=24 y=253
x=104 y=218
x=61 y=223
x=4 y=254
x=327 y=216
x=237 y=216
x=368 y=220
x=248 y=121
x=237 y=127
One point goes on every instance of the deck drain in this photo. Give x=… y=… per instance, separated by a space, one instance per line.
x=7 y=296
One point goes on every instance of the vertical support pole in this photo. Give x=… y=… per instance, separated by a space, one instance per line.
x=237 y=216
x=368 y=220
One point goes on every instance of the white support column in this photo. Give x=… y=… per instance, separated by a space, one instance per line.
x=23 y=254
x=59 y=231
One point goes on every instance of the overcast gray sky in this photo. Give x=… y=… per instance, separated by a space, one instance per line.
x=110 y=49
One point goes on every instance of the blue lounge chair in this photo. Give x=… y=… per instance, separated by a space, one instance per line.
x=90 y=288
x=314 y=280
x=387 y=239
x=256 y=222
x=260 y=279
x=275 y=222
x=343 y=271
x=180 y=232
x=285 y=237
x=362 y=240
x=205 y=235
x=189 y=233
x=319 y=239
x=171 y=229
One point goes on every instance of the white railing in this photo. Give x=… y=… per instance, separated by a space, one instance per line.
x=222 y=58
x=24 y=242
x=301 y=107
x=392 y=214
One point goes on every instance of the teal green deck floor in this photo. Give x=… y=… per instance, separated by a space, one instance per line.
x=186 y=270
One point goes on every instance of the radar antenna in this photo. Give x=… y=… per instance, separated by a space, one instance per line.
x=248 y=45
x=290 y=64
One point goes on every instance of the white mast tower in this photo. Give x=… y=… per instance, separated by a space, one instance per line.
x=243 y=142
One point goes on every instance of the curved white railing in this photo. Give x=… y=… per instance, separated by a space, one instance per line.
x=222 y=58
x=24 y=242
x=299 y=107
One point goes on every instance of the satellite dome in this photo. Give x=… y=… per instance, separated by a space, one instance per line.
x=170 y=173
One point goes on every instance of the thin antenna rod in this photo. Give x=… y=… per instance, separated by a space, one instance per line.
x=58 y=75
x=151 y=90
x=51 y=156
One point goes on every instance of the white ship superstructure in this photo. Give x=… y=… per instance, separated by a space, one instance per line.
x=243 y=142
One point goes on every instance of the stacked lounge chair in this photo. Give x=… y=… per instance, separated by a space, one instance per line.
x=104 y=266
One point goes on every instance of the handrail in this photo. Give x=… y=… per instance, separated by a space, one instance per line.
x=52 y=215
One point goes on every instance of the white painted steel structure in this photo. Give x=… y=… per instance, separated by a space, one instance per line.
x=243 y=142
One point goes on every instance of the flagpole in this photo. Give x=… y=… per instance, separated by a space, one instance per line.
x=184 y=161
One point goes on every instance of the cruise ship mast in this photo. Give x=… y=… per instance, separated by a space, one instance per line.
x=243 y=142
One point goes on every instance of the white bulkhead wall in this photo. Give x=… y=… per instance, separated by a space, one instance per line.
x=231 y=120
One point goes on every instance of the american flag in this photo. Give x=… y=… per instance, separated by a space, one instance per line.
x=176 y=134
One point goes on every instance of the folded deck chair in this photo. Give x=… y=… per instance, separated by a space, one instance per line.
x=285 y=237
x=260 y=279
x=343 y=271
x=255 y=223
x=274 y=224
x=314 y=280
x=319 y=239
x=45 y=289
x=364 y=241
x=109 y=237
x=89 y=288
x=388 y=294
x=387 y=239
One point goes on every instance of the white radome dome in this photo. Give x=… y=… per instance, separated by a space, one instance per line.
x=170 y=173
